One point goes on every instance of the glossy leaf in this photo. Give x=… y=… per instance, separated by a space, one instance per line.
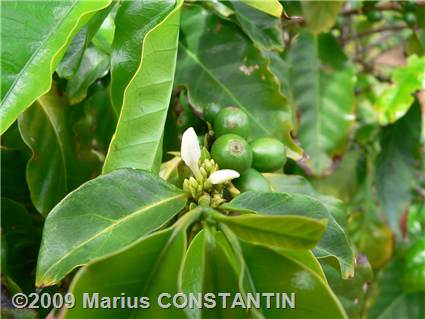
x=272 y=7
x=74 y=54
x=206 y=269
x=313 y=298
x=137 y=142
x=333 y=245
x=263 y=29
x=320 y=16
x=323 y=91
x=395 y=101
x=146 y=269
x=110 y=212
x=132 y=23
x=395 y=164
x=55 y=167
x=393 y=301
x=292 y=232
x=94 y=65
x=105 y=35
x=31 y=55
x=230 y=71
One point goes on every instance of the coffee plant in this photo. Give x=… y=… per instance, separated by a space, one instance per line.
x=212 y=159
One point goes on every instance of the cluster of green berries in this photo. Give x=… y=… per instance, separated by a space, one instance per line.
x=231 y=149
x=375 y=15
x=409 y=15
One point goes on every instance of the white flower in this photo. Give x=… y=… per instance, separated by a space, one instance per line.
x=222 y=176
x=190 y=151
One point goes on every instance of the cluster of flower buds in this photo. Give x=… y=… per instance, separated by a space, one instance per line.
x=207 y=184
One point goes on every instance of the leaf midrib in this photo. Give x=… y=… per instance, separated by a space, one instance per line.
x=254 y=229
x=42 y=43
x=118 y=222
x=58 y=138
x=227 y=91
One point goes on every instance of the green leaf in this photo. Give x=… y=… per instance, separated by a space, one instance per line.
x=146 y=269
x=396 y=99
x=231 y=71
x=206 y=269
x=293 y=232
x=323 y=91
x=137 y=142
x=133 y=20
x=263 y=269
x=105 y=35
x=272 y=7
x=299 y=184
x=392 y=301
x=352 y=292
x=55 y=167
x=263 y=29
x=13 y=180
x=30 y=58
x=74 y=54
x=94 y=65
x=333 y=245
x=110 y=212
x=395 y=164
x=94 y=121
x=320 y=16
x=21 y=234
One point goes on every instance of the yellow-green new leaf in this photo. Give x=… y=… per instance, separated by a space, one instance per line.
x=137 y=142
x=396 y=100
x=272 y=7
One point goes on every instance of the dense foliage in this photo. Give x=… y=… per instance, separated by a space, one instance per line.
x=214 y=146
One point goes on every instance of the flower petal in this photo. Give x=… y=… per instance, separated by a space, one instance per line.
x=222 y=176
x=190 y=150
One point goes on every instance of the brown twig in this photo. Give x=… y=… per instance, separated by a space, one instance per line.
x=380 y=7
x=383 y=29
x=294 y=19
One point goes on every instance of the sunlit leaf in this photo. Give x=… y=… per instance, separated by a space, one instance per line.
x=137 y=142
x=31 y=54
x=272 y=7
x=395 y=101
